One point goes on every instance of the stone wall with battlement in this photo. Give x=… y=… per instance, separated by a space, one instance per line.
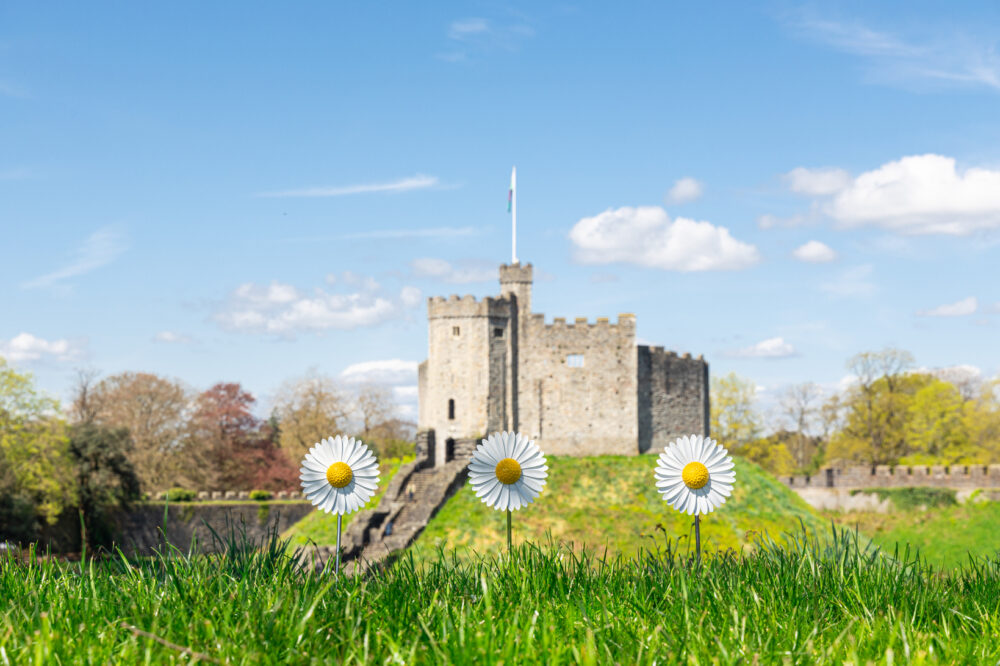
x=882 y=476
x=578 y=385
x=672 y=397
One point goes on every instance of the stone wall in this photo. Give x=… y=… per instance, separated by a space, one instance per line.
x=672 y=397
x=882 y=476
x=588 y=410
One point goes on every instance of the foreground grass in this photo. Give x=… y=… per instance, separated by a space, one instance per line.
x=946 y=536
x=802 y=603
x=610 y=503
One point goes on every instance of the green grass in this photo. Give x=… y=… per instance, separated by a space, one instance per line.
x=802 y=603
x=320 y=527
x=912 y=499
x=945 y=536
x=611 y=502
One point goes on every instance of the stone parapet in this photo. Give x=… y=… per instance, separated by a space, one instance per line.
x=884 y=476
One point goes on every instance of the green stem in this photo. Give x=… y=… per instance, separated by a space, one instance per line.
x=340 y=524
x=508 y=532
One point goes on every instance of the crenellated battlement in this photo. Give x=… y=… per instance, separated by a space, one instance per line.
x=884 y=476
x=467 y=306
x=626 y=322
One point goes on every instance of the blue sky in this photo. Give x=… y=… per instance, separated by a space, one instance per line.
x=247 y=192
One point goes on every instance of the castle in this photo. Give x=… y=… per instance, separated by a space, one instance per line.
x=575 y=388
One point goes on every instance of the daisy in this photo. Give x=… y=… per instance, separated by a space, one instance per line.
x=339 y=475
x=695 y=476
x=507 y=472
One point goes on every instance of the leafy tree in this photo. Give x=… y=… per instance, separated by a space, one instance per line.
x=307 y=410
x=104 y=477
x=33 y=447
x=876 y=408
x=771 y=453
x=937 y=428
x=734 y=419
x=154 y=410
x=233 y=448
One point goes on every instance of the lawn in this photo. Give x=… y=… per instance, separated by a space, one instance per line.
x=803 y=602
x=945 y=535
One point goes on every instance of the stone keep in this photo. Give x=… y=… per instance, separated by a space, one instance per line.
x=575 y=388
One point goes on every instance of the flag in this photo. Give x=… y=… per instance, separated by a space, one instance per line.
x=510 y=192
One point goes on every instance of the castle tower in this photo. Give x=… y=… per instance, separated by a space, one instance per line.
x=516 y=279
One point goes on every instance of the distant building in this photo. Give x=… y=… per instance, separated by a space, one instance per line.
x=575 y=388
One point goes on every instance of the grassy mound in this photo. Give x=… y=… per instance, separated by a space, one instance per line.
x=611 y=502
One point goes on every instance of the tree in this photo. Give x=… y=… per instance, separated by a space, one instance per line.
x=771 y=453
x=154 y=410
x=734 y=419
x=876 y=408
x=233 y=448
x=104 y=477
x=33 y=447
x=798 y=403
x=309 y=409
x=936 y=429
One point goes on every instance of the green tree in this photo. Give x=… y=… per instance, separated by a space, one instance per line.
x=876 y=407
x=104 y=477
x=33 y=446
x=771 y=453
x=937 y=429
x=734 y=420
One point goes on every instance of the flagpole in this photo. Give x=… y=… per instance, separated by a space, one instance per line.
x=513 y=211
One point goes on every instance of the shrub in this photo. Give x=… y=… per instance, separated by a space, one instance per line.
x=260 y=495
x=180 y=495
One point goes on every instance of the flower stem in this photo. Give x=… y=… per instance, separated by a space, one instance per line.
x=340 y=524
x=508 y=532
x=697 y=537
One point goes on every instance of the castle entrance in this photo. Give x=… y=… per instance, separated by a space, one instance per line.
x=449 y=450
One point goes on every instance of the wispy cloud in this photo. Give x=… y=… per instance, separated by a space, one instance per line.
x=685 y=190
x=467 y=270
x=483 y=35
x=966 y=306
x=463 y=29
x=417 y=182
x=957 y=59
x=172 y=338
x=770 y=348
x=100 y=249
x=392 y=234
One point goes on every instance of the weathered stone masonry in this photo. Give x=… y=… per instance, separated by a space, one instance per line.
x=580 y=388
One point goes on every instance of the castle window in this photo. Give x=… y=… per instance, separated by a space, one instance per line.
x=451 y=409
x=497 y=332
x=574 y=360
x=455 y=330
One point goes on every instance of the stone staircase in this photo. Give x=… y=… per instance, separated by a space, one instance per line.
x=412 y=498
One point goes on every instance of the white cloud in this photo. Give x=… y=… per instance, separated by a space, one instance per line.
x=853 y=281
x=921 y=194
x=394 y=372
x=815 y=252
x=646 y=236
x=281 y=309
x=817 y=182
x=417 y=182
x=959 y=59
x=469 y=271
x=100 y=249
x=172 y=338
x=27 y=347
x=961 y=308
x=466 y=28
x=768 y=221
x=770 y=348
x=406 y=392
x=685 y=190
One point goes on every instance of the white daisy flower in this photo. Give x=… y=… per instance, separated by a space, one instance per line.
x=507 y=471
x=695 y=475
x=339 y=475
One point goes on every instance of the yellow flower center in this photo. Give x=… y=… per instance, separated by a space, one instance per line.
x=695 y=475
x=339 y=474
x=508 y=471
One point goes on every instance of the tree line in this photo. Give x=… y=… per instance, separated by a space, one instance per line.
x=135 y=434
x=889 y=414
